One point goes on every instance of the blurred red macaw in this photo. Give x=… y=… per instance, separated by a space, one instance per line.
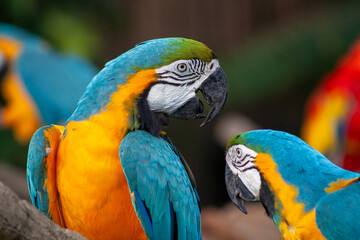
x=332 y=116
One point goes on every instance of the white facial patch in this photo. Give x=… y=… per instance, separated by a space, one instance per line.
x=167 y=98
x=241 y=161
x=177 y=83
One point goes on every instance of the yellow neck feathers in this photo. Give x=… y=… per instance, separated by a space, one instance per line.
x=294 y=222
x=10 y=48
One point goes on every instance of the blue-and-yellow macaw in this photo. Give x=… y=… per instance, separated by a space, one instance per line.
x=111 y=172
x=37 y=84
x=306 y=195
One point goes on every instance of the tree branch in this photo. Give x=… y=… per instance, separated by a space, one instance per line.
x=20 y=220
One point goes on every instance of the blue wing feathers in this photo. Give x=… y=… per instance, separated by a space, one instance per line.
x=181 y=227
x=41 y=155
x=143 y=212
x=36 y=171
x=162 y=183
x=161 y=201
x=164 y=225
x=337 y=214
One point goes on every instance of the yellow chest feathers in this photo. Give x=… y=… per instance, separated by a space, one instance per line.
x=92 y=186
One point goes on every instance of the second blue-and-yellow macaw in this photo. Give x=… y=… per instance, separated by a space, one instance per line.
x=110 y=172
x=306 y=195
x=38 y=85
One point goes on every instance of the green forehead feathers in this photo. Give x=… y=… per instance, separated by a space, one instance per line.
x=235 y=140
x=245 y=139
x=188 y=49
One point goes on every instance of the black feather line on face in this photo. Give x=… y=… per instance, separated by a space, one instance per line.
x=150 y=121
x=267 y=197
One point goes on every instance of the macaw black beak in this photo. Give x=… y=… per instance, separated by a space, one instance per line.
x=214 y=90
x=192 y=109
x=237 y=190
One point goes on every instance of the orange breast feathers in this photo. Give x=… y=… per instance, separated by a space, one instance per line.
x=94 y=194
x=10 y=47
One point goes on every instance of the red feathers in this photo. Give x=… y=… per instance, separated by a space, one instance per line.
x=332 y=117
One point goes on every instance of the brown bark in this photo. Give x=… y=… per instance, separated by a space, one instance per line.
x=20 y=220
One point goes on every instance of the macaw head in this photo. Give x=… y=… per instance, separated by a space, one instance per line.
x=279 y=169
x=175 y=91
x=172 y=71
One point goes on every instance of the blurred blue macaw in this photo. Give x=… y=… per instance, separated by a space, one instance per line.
x=37 y=84
x=306 y=195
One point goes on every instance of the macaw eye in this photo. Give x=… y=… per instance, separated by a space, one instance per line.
x=238 y=152
x=211 y=66
x=181 y=67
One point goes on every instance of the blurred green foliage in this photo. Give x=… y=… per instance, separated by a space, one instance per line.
x=301 y=51
x=70 y=34
x=71 y=26
x=11 y=151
